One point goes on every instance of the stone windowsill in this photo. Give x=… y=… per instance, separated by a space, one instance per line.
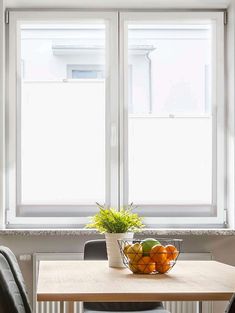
x=91 y=232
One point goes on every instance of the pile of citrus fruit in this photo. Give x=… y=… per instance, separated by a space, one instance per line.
x=150 y=256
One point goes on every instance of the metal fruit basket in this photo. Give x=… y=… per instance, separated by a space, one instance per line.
x=150 y=255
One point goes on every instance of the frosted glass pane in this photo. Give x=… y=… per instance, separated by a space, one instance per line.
x=170 y=114
x=170 y=160
x=62 y=133
x=63 y=147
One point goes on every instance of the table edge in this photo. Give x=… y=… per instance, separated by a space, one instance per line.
x=133 y=297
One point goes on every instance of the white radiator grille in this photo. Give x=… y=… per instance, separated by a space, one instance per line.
x=173 y=307
x=63 y=307
x=181 y=307
x=187 y=307
x=57 y=307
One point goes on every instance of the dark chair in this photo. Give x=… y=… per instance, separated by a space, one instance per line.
x=10 y=297
x=12 y=261
x=96 y=250
x=231 y=306
x=13 y=295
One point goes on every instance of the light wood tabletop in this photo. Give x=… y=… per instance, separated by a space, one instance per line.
x=94 y=281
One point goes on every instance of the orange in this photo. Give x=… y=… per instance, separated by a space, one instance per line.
x=146 y=265
x=158 y=253
x=172 y=252
x=162 y=267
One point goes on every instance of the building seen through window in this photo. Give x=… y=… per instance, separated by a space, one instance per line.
x=162 y=78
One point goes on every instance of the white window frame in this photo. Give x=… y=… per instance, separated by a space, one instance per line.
x=175 y=215
x=52 y=215
x=116 y=125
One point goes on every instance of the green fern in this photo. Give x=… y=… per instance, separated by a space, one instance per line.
x=110 y=220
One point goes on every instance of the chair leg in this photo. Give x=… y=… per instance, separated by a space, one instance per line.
x=61 y=306
x=199 y=307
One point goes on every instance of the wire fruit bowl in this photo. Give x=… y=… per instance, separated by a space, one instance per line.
x=150 y=256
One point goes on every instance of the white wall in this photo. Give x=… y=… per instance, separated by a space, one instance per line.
x=230 y=65
x=2 y=112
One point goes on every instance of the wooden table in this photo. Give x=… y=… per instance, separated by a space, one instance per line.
x=95 y=281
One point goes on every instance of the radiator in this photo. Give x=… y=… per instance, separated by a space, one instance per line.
x=173 y=307
x=57 y=307
x=63 y=307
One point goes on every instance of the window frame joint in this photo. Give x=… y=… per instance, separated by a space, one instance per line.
x=7 y=17
x=225 y=217
x=225 y=17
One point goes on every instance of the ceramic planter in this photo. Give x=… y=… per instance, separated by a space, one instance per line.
x=113 y=249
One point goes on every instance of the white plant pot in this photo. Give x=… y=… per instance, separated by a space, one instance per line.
x=113 y=249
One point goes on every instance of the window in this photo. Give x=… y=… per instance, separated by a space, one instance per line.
x=85 y=72
x=78 y=135
x=60 y=144
x=172 y=130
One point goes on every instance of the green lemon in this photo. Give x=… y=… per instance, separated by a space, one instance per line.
x=147 y=245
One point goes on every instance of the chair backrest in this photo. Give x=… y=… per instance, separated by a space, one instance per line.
x=19 y=280
x=96 y=250
x=10 y=297
x=231 y=306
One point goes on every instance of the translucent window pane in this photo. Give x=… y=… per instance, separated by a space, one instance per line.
x=171 y=69
x=170 y=160
x=62 y=140
x=170 y=116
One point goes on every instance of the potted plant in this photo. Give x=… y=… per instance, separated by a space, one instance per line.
x=116 y=224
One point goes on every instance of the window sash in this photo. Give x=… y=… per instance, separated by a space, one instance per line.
x=215 y=212
x=14 y=205
x=116 y=124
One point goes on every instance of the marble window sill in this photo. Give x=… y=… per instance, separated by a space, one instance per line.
x=90 y=232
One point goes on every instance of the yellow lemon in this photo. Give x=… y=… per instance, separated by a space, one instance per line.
x=133 y=267
x=126 y=248
x=134 y=252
